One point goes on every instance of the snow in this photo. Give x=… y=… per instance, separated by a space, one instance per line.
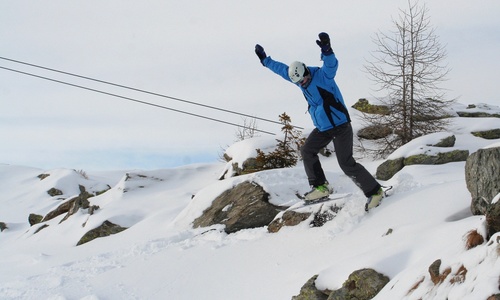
x=160 y=255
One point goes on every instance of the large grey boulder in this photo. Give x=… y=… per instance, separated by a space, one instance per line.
x=482 y=175
x=389 y=167
x=244 y=206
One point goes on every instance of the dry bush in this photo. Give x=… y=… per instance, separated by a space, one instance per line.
x=473 y=239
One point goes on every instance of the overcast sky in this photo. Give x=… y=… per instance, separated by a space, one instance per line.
x=200 y=51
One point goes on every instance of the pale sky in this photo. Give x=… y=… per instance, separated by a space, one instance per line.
x=200 y=51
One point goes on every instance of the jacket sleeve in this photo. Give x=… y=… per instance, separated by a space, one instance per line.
x=277 y=67
x=330 y=65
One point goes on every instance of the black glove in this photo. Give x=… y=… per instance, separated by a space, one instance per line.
x=260 y=53
x=324 y=43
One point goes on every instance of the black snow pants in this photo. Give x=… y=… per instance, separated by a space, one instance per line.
x=342 y=138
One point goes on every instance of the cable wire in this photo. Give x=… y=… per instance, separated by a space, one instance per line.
x=143 y=91
x=131 y=99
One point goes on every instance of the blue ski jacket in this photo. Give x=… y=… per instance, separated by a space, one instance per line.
x=326 y=105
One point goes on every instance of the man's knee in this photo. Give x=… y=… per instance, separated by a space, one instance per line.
x=307 y=152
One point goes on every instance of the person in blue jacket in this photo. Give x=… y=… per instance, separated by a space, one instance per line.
x=331 y=120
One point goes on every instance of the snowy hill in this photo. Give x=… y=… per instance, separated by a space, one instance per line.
x=160 y=255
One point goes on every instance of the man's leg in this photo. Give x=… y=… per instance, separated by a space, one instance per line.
x=343 y=148
x=314 y=143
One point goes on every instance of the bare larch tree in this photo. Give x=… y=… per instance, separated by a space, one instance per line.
x=407 y=65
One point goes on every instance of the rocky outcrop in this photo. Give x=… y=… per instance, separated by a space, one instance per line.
x=61 y=209
x=465 y=114
x=3 y=226
x=390 y=167
x=106 y=229
x=244 y=206
x=439 y=159
x=362 y=284
x=482 y=176
x=71 y=206
x=492 y=134
x=471 y=111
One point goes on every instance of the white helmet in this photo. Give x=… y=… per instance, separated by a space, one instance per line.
x=297 y=71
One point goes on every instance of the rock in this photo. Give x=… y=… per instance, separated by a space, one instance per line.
x=374 y=132
x=465 y=114
x=492 y=134
x=79 y=202
x=482 y=176
x=43 y=176
x=493 y=219
x=439 y=159
x=289 y=218
x=363 y=105
x=61 y=209
x=436 y=276
x=106 y=229
x=3 y=226
x=34 y=219
x=434 y=271
x=310 y=292
x=54 y=192
x=446 y=142
x=244 y=206
x=389 y=167
x=362 y=284
x=71 y=206
x=250 y=165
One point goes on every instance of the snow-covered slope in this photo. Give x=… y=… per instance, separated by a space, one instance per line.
x=160 y=255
